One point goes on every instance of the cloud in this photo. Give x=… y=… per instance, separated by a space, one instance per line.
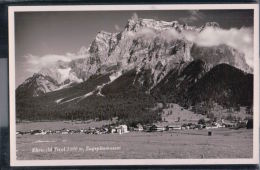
x=35 y=63
x=146 y=33
x=134 y=16
x=194 y=15
x=240 y=39
x=170 y=35
x=117 y=27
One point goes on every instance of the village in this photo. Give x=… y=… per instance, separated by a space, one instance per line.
x=174 y=118
x=122 y=129
x=202 y=136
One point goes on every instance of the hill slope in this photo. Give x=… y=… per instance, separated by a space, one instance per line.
x=225 y=85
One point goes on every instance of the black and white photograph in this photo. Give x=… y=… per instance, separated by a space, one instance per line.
x=134 y=85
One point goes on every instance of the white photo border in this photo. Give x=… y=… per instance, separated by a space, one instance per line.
x=97 y=162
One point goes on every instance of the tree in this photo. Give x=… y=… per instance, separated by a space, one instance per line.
x=249 y=110
x=249 y=124
x=202 y=121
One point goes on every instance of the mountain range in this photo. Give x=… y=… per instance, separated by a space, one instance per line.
x=126 y=73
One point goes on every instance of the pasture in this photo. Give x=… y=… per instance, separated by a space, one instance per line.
x=179 y=144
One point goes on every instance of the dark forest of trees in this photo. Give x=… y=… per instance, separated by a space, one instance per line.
x=122 y=99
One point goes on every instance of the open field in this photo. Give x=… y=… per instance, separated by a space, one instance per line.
x=57 y=125
x=224 y=143
x=173 y=111
x=171 y=114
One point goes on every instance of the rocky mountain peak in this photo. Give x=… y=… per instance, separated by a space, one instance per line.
x=36 y=85
x=144 y=44
x=222 y=53
x=135 y=24
x=83 y=51
x=61 y=64
x=211 y=24
x=103 y=35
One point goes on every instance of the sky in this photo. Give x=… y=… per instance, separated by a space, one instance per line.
x=44 y=35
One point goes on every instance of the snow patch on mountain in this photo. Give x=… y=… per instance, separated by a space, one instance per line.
x=88 y=94
x=96 y=91
x=70 y=100
x=59 y=100
x=63 y=86
x=115 y=76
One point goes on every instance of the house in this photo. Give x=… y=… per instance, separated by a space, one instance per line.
x=147 y=128
x=173 y=127
x=49 y=132
x=57 y=131
x=185 y=127
x=192 y=126
x=138 y=127
x=112 y=130
x=18 y=133
x=157 y=128
x=230 y=124
x=38 y=132
x=105 y=130
x=91 y=130
x=121 y=129
x=219 y=125
x=72 y=131
x=65 y=131
x=211 y=127
x=97 y=132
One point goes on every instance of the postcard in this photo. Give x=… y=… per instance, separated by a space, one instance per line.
x=134 y=84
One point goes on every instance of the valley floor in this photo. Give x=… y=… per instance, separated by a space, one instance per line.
x=182 y=144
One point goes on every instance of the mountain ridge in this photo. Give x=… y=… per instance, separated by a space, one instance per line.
x=125 y=74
